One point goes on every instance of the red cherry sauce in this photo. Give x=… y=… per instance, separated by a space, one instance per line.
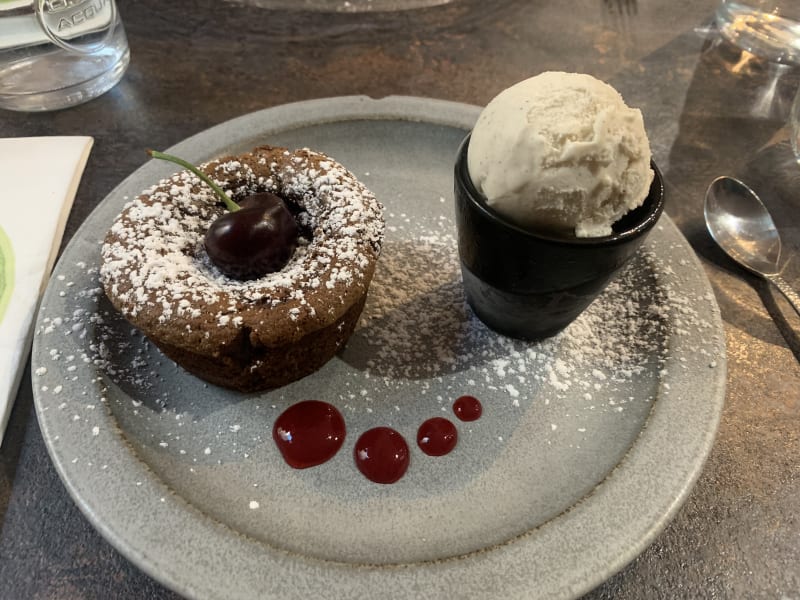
x=309 y=433
x=382 y=455
x=437 y=436
x=468 y=408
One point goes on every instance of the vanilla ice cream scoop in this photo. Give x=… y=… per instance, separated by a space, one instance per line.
x=561 y=152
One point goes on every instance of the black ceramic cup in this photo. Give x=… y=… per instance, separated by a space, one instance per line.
x=531 y=285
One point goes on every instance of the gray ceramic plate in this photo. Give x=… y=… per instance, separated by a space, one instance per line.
x=588 y=444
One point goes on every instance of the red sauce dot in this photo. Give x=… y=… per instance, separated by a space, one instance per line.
x=468 y=408
x=309 y=433
x=437 y=436
x=381 y=454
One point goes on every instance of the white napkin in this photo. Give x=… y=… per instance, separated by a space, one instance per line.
x=39 y=177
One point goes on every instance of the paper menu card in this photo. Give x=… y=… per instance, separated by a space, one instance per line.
x=40 y=177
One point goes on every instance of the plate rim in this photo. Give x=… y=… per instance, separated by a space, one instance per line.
x=584 y=575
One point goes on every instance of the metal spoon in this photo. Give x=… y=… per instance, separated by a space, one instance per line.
x=741 y=225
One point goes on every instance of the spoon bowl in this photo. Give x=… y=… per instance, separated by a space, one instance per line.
x=741 y=225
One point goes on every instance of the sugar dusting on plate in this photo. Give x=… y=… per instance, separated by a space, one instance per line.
x=416 y=338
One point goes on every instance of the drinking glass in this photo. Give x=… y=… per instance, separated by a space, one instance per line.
x=769 y=29
x=58 y=53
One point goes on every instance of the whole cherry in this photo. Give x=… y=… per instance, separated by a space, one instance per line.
x=259 y=238
x=255 y=237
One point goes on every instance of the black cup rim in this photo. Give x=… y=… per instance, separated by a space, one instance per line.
x=655 y=197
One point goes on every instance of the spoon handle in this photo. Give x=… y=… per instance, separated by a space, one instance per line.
x=786 y=290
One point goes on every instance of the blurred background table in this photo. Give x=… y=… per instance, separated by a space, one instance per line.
x=709 y=110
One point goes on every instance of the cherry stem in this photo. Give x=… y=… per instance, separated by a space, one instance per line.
x=230 y=204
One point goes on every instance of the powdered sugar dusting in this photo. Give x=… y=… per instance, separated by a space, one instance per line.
x=416 y=325
x=154 y=259
x=417 y=334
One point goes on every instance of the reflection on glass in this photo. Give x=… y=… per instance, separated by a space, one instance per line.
x=794 y=125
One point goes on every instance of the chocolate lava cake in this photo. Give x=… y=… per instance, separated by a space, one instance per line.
x=261 y=333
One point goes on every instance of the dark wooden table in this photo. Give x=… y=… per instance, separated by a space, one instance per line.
x=708 y=110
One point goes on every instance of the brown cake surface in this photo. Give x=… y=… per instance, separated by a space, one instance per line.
x=257 y=334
